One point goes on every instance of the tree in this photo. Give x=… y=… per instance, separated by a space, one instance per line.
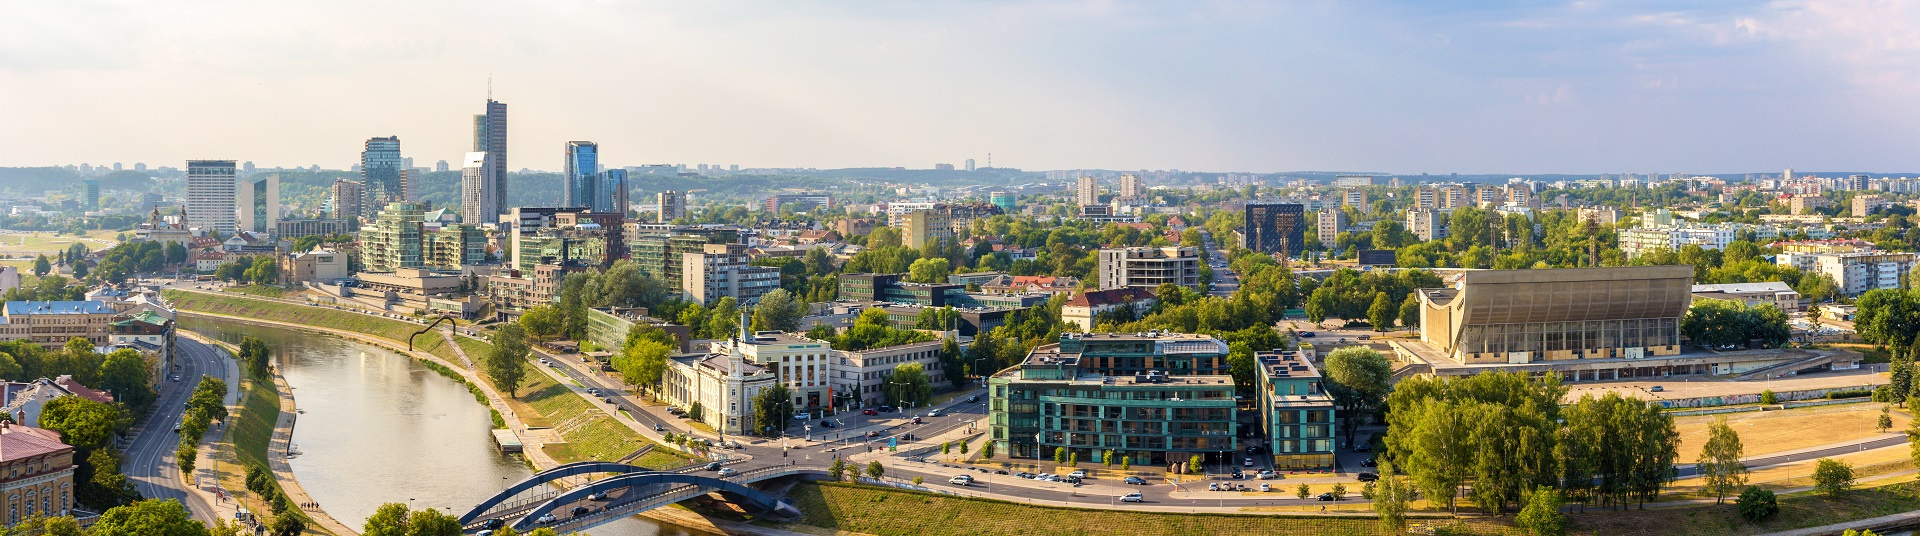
x=1719 y=462
x=542 y=322
x=838 y=469
x=41 y=266
x=1060 y=455
x=262 y=272
x=771 y=410
x=430 y=522
x=82 y=423
x=1382 y=312
x=124 y=373
x=388 y=520
x=1302 y=491
x=255 y=356
x=952 y=361
x=146 y=518
x=1542 y=514
x=917 y=480
x=290 y=524
x=908 y=385
x=1899 y=378
x=1886 y=419
x=1410 y=311
x=185 y=457
x=1339 y=490
x=643 y=362
x=1390 y=497
x=875 y=470
x=573 y=305
x=779 y=311
x=1194 y=464
x=1832 y=477
x=929 y=270
x=1757 y=504
x=1359 y=379
x=1767 y=397
x=506 y=362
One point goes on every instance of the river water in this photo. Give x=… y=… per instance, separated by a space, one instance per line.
x=378 y=427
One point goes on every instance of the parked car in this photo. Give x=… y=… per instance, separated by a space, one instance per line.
x=999 y=471
x=1326 y=496
x=1132 y=497
x=916 y=420
x=1369 y=463
x=1247 y=463
x=1268 y=475
x=1213 y=486
x=1656 y=389
x=1305 y=334
x=869 y=412
x=1134 y=480
x=1264 y=487
x=1023 y=474
x=1078 y=473
x=1363 y=447
x=801 y=416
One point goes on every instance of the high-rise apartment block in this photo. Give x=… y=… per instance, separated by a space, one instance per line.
x=479 y=202
x=578 y=183
x=1272 y=227
x=1356 y=198
x=1005 y=200
x=93 y=192
x=1148 y=267
x=346 y=199
x=1086 y=191
x=724 y=271
x=798 y=202
x=211 y=195
x=490 y=137
x=381 y=169
x=1130 y=186
x=671 y=205
x=1425 y=224
x=259 y=203
x=1331 y=223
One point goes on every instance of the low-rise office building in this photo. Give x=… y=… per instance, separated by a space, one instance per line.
x=1774 y=293
x=1299 y=412
x=801 y=363
x=51 y=324
x=1072 y=396
x=723 y=385
x=1084 y=310
x=860 y=375
x=315 y=265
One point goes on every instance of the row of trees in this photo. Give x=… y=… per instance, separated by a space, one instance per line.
x=1507 y=434
x=1719 y=323
x=259 y=270
x=208 y=403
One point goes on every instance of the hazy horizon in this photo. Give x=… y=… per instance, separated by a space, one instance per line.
x=1397 y=87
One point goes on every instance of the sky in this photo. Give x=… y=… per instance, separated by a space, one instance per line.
x=1403 y=87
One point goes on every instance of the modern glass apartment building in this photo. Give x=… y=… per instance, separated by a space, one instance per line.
x=1298 y=411
x=579 y=186
x=1069 y=395
x=380 y=167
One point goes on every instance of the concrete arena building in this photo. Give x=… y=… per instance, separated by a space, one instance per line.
x=1584 y=324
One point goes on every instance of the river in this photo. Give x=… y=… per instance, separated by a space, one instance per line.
x=378 y=427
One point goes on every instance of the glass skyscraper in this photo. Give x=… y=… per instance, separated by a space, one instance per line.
x=578 y=186
x=380 y=168
x=490 y=136
x=613 y=192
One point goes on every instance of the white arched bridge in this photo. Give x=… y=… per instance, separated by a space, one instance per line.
x=631 y=490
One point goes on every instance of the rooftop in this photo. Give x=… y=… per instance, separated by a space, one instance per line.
x=1289 y=365
x=91 y=307
x=1743 y=288
x=20 y=442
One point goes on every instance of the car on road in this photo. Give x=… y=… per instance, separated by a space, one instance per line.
x=1267 y=475
x=727 y=471
x=1656 y=389
x=548 y=518
x=1363 y=447
x=593 y=391
x=1326 y=496
x=580 y=511
x=1368 y=477
x=886 y=409
x=1078 y=473
x=826 y=423
x=176 y=377
x=1134 y=480
x=676 y=410
x=961 y=480
x=934 y=413
x=1305 y=334
x=1364 y=337
x=493 y=523
x=600 y=496
x=713 y=466
x=1023 y=474
x=176 y=428
x=972 y=399
x=801 y=416
x=869 y=412
x=1369 y=462
x=1248 y=463
x=999 y=471
x=658 y=428
x=1132 y=497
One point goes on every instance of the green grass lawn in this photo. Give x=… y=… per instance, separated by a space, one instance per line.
x=253 y=427
x=268 y=291
x=242 y=306
x=887 y=512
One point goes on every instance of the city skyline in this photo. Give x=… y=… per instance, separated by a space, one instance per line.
x=1391 y=86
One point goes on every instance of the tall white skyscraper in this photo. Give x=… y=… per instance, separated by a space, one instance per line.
x=211 y=195
x=259 y=200
x=479 y=199
x=1087 y=192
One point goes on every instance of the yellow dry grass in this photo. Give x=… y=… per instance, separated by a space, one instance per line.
x=1767 y=432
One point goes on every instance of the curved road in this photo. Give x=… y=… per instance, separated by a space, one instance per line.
x=148 y=462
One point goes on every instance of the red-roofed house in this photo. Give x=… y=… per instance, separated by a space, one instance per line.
x=1081 y=310
x=38 y=471
x=89 y=393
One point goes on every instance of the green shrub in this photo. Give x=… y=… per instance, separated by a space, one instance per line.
x=1757 y=504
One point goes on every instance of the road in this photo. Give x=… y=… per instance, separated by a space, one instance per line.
x=1224 y=280
x=148 y=462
